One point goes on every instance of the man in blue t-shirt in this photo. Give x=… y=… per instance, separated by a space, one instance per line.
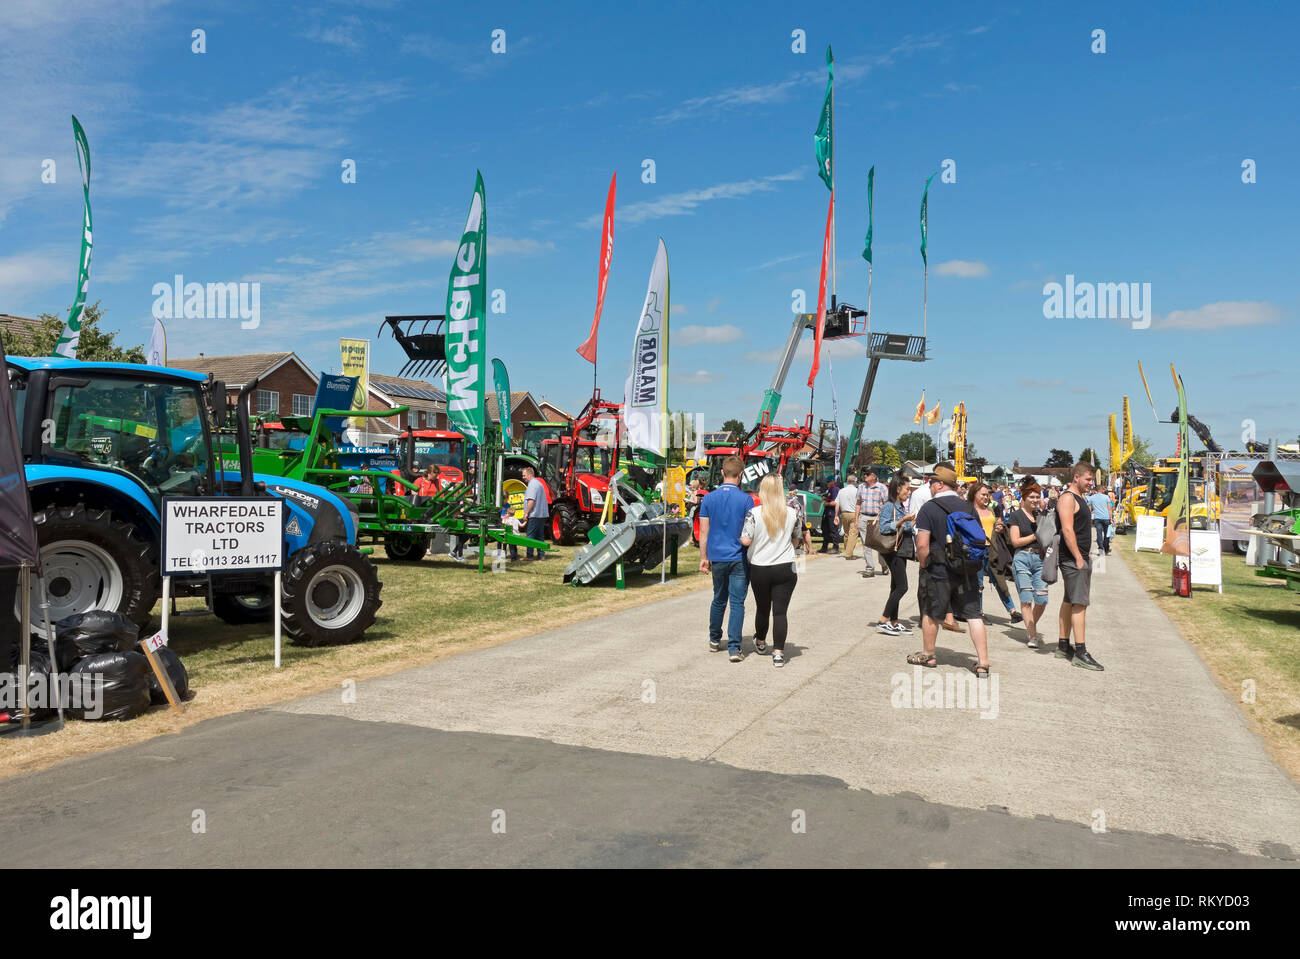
x=722 y=516
x=1100 y=504
x=536 y=511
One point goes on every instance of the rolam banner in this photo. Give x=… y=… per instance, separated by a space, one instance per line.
x=466 y=376
x=645 y=397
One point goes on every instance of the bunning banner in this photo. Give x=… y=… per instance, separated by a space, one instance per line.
x=356 y=364
x=335 y=392
x=67 y=345
x=588 y=349
x=1178 y=540
x=645 y=397
x=871 y=184
x=925 y=219
x=501 y=380
x=822 y=139
x=466 y=376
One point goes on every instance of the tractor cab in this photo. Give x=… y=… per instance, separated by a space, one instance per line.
x=443 y=449
x=538 y=431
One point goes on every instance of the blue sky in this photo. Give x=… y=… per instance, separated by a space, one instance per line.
x=1123 y=166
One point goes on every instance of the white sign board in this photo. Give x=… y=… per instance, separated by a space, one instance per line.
x=1150 y=533
x=222 y=534
x=1207 y=565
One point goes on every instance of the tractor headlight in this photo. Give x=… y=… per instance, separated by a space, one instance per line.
x=597 y=497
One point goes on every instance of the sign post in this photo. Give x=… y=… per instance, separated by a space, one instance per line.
x=225 y=534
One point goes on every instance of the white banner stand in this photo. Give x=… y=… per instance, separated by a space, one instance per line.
x=1150 y=533
x=1207 y=560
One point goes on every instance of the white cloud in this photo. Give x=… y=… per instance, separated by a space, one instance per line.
x=679 y=204
x=342 y=35
x=851 y=348
x=1217 y=316
x=963 y=268
x=39 y=271
x=699 y=377
x=678 y=309
x=694 y=335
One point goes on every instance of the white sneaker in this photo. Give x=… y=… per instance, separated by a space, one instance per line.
x=777 y=658
x=902 y=629
x=885 y=628
x=1036 y=642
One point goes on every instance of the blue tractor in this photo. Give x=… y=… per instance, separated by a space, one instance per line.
x=105 y=442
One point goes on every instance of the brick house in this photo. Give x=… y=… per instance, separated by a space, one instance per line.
x=16 y=324
x=286 y=385
x=552 y=413
x=428 y=404
x=523 y=409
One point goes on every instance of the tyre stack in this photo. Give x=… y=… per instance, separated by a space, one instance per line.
x=105 y=644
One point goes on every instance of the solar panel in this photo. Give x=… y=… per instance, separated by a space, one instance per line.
x=414 y=392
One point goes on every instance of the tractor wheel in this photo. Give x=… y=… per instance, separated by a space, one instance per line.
x=564 y=523
x=92 y=561
x=238 y=610
x=405 y=548
x=330 y=595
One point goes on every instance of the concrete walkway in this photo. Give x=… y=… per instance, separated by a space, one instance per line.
x=1151 y=745
x=623 y=742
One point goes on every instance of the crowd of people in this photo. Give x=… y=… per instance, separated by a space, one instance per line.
x=1016 y=540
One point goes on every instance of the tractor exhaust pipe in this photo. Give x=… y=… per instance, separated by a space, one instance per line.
x=244 y=439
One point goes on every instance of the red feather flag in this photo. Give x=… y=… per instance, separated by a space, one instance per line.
x=588 y=349
x=821 y=296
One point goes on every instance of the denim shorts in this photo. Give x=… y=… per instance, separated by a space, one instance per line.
x=1028 y=567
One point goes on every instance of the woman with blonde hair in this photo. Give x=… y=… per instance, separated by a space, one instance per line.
x=769 y=535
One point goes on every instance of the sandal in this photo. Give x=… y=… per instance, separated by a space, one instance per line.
x=921 y=659
x=981 y=670
x=954 y=628
x=760 y=645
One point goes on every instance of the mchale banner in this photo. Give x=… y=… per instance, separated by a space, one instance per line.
x=466 y=376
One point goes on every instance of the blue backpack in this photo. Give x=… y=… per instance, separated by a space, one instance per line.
x=965 y=547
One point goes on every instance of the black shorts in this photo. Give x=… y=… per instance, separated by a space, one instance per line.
x=937 y=596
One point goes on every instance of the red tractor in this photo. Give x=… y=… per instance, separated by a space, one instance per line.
x=417 y=450
x=765 y=449
x=575 y=469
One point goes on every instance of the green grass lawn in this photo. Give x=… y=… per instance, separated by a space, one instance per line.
x=1249 y=632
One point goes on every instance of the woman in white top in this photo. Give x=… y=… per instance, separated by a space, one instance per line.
x=768 y=533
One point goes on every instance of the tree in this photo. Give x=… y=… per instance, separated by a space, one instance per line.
x=736 y=428
x=1059 y=459
x=1142 y=453
x=94 y=345
x=915 y=445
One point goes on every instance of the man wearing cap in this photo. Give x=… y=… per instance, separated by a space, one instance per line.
x=941 y=587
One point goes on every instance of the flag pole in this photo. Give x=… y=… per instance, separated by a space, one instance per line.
x=834 y=286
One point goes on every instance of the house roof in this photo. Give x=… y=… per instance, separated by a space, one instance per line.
x=18 y=324
x=545 y=402
x=407 y=392
x=237 y=370
x=516 y=397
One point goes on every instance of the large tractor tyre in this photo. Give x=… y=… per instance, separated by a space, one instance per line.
x=564 y=523
x=92 y=561
x=241 y=609
x=330 y=595
x=405 y=548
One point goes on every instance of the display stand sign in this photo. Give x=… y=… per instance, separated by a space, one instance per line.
x=224 y=534
x=151 y=646
x=1207 y=561
x=1150 y=533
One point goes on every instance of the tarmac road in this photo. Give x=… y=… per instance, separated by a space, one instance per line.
x=622 y=741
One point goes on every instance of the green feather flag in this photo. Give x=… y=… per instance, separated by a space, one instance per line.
x=822 y=138
x=67 y=345
x=925 y=218
x=871 y=180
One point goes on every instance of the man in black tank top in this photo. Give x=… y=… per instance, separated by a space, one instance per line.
x=1074 y=519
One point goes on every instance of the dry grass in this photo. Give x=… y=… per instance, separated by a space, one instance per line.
x=432 y=609
x=1250 y=632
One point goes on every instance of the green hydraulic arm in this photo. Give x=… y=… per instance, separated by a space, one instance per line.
x=772 y=395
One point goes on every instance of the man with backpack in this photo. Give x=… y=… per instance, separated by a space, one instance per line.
x=950 y=548
x=1074 y=520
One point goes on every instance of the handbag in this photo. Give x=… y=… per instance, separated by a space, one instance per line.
x=874 y=539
